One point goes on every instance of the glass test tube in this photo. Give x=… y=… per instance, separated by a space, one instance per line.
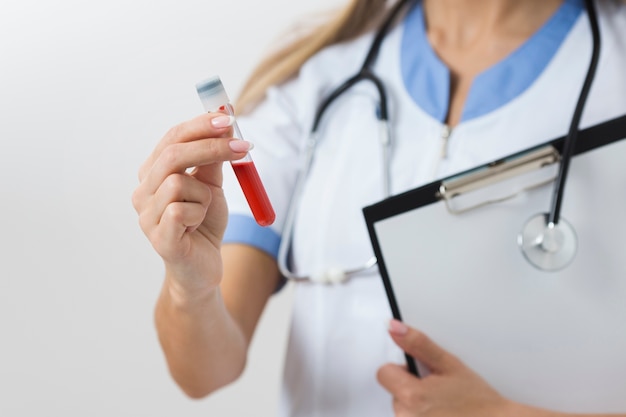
x=214 y=98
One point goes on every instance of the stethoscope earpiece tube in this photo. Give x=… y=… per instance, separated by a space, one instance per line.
x=382 y=32
x=336 y=275
x=570 y=140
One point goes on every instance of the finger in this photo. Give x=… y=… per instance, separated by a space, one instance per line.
x=421 y=347
x=405 y=388
x=208 y=125
x=176 y=158
x=401 y=410
x=396 y=380
x=398 y=408
x=169 y=237
x=182 y=188
x=176 y=187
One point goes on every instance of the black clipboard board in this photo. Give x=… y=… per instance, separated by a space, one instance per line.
x=452 y=267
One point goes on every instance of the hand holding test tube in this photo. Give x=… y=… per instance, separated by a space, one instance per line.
x=214 y=98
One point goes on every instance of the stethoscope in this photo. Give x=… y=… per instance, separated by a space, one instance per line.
x=547 y=240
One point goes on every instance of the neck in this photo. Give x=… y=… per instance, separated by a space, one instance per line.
x=462 y=22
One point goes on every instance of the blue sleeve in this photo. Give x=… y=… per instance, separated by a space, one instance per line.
x=243 y=229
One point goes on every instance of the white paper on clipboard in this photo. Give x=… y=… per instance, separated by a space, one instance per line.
x=551 y=339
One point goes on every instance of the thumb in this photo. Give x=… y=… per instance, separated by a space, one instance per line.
x=422 y=348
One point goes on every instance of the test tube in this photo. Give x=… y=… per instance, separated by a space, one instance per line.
x=214 y=98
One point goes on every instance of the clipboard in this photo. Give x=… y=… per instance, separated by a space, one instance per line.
x=451 y=265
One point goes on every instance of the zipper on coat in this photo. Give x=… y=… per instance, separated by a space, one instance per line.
x=445 y=136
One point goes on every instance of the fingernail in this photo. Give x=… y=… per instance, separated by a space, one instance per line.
x=397 y=327
x=238 y=145
x=222 y=121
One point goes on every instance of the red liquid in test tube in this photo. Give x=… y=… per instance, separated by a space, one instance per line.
x=213 y=97
x=254 y=191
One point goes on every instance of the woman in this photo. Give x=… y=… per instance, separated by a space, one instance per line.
x=457 y=73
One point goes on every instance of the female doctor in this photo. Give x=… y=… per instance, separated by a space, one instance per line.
x=467 y=81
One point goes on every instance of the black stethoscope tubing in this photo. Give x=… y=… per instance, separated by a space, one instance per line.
x=365 y=72
x=572 y=135
x=547 y=241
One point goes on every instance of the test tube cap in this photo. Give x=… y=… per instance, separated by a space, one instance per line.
x=212 y=93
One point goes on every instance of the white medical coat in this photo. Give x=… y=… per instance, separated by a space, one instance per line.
x=338 y=335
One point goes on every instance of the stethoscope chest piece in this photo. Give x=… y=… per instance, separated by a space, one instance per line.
x=548 y=246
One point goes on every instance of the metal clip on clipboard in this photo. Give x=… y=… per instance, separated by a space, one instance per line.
x=500 y=181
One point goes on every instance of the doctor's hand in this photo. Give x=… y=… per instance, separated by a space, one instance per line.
x=451 y=389
x=182 y=209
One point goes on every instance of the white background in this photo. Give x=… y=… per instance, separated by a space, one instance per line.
x=86 y=90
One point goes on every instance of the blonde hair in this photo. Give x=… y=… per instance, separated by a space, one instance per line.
x=354 y=19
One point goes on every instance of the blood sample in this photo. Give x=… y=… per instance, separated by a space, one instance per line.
x=214 y=98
